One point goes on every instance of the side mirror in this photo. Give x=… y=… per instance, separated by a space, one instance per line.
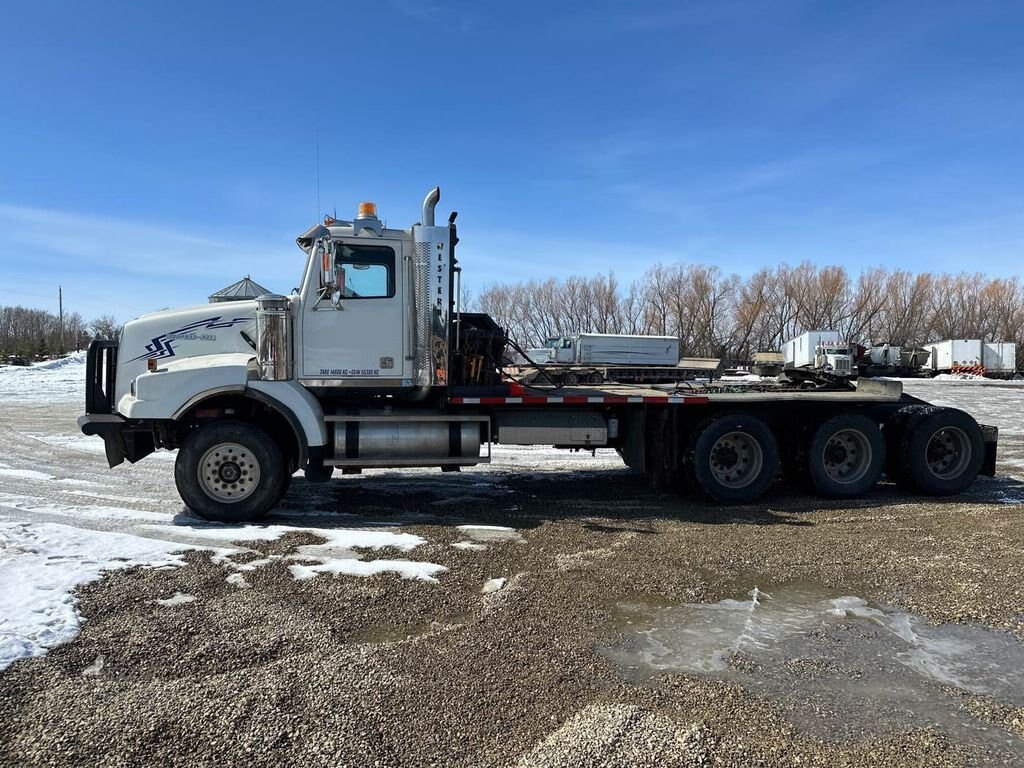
x=339 y=287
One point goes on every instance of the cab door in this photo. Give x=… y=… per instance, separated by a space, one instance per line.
x=356 y=338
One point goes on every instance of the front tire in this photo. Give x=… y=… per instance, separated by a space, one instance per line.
x=733 y=458
x=230 y=472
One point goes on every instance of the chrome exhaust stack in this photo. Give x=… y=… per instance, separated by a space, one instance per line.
x=429 y=203
x=432 y=293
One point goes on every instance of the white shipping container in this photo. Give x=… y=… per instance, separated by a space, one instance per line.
x=622 y=349
x=950 y=353
x=999 y=356
x=799 y=352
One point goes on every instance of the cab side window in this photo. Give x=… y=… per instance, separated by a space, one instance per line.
x=366 y=271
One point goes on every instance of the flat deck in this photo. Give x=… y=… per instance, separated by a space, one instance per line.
x=867 y=391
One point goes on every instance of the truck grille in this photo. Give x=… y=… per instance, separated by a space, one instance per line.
x=100 y=371
x=843 y=365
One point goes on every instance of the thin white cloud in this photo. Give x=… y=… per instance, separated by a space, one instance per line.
x=125 y=267
x=126 y=244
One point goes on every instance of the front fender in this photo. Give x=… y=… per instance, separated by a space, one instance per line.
x=168 y=391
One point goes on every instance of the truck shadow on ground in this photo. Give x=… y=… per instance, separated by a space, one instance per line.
x=604 y=501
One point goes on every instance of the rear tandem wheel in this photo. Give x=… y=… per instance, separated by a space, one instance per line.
x=941 y=451
x=733 y=458
x=846 y=456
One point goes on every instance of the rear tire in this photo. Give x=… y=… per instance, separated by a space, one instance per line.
x=846 y=456
x=941 y=451
x=230 y=472
x=733 y=458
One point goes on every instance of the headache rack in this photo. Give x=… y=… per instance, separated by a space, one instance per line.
x=100 y=372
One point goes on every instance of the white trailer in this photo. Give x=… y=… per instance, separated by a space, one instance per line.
x=999 y=358
x=991 y=358
x=951 y=354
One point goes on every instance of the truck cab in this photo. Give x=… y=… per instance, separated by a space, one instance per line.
x=834 y=359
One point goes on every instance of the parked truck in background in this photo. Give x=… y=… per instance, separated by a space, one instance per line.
x=371 y=363
x=890 y=360
x=819 y=351
x=768 y=363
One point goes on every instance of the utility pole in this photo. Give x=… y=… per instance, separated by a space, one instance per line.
x=60 y=303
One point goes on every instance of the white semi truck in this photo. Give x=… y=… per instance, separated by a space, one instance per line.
x=819 y=351
x=370 y=363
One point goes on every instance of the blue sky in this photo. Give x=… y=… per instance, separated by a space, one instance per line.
x=152 y=153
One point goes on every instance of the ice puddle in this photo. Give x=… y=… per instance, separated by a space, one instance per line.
x=845 y=667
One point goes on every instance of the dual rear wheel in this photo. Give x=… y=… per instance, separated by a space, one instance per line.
x=936 y=451
x=939 y=451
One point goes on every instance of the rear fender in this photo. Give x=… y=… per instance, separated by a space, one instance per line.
x=296 y=404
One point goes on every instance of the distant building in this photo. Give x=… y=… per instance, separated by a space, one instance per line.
x=240 y=291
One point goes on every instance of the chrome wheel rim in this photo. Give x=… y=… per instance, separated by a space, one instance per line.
x=736 y=460
x=948 y=452
x=847 y=456
x=228 y=472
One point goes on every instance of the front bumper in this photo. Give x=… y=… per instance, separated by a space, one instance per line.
x=122 y=439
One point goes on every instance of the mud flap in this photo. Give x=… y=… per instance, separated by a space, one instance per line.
x=119 y=441
x=991 y=437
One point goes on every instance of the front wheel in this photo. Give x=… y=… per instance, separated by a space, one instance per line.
x=230 y=472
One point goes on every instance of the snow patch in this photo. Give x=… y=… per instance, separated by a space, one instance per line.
x=178 y=598
x=493 y=585
x=490 y=533
x=26 y=474
x=50 y=382
x=41 y=564
x=237 y=580
x=85 y=512
x=470 y=545
x=407 y=569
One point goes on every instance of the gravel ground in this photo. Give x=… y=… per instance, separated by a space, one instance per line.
x=264 y=669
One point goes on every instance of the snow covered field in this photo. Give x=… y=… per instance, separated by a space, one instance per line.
x=65 y=518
